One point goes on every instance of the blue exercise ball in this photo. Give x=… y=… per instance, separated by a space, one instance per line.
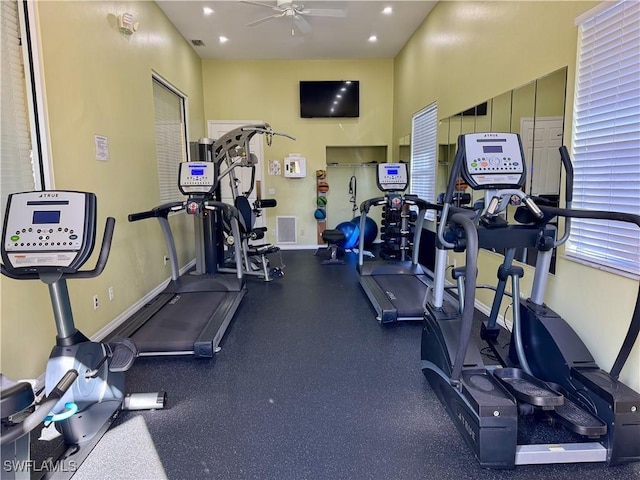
x=351 y=233
x=370 y=229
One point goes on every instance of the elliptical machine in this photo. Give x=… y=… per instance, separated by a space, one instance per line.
x=548 y=373
x=49 y=236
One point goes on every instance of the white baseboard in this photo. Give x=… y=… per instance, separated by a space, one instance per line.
x=120 y=319
x=299 y=247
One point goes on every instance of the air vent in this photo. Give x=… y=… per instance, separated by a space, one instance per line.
x=197 y=43
x=286 y=229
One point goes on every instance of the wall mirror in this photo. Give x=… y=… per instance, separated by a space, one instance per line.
x=535 y=111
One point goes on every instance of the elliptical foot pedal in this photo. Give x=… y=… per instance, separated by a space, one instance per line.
x=527 y=388
x=578 y=420
x=575 y=418
x=123 y=354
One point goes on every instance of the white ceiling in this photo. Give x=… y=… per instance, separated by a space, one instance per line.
x=330 y=37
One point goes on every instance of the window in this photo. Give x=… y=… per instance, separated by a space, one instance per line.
x=422 y=180
x=171 y=137
x=606 y=136
x=21 y=162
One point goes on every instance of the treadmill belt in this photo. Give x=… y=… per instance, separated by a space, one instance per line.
x=179 y=323
x=406 y=293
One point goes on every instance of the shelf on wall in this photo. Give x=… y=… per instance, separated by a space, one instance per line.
x=351 y=165
x=356 y=155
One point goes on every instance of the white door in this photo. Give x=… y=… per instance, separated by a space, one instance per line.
x=541 y=149
x=216 y=129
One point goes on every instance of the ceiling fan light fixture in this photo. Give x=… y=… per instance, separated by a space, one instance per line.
x=296 y=12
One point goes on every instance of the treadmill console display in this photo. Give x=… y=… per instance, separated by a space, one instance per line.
x=197 y=178
x=392 y=177
x=48 y=229
x=493 y=160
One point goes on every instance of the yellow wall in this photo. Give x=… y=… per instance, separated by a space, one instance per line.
x=98 y=81
x=465 y=53
x=268 y=91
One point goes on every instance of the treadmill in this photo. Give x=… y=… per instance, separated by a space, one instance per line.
x=396 y=288
x=191 y=315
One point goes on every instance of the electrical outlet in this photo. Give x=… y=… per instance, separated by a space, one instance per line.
x=96 y=304
x=111 y=295
x=165 y=260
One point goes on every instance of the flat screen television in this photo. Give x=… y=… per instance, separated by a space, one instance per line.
x=330 y=99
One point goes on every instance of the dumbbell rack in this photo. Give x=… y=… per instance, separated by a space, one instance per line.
x=398 y=228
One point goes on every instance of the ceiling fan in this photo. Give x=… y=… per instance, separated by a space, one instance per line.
x=296 y=12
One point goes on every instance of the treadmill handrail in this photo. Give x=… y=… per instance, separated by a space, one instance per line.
x=409 y=199
x=372 y=202
x=160 y=211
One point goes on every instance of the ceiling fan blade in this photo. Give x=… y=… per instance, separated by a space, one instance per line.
x=323 y=12
x=272 y=7
x=301 y=24
x=262 y=20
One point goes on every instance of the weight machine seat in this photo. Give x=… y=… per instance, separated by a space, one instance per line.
x=247 y=219
x=264 y=249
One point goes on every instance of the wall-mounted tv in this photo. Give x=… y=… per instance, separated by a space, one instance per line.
x=330 y=99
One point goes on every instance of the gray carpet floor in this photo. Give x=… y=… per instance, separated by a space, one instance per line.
x=308 y=385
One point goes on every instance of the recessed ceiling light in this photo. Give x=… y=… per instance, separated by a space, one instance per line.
x=207 y=10
x=222 y=39
x=387 y=10
x=373 y=38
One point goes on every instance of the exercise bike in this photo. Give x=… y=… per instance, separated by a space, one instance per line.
x=48 y=236
x=548 y=373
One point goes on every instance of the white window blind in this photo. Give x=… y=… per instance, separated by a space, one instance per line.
x=16 y=164
x=422 y=178
x=171 y=143
x=606 y=136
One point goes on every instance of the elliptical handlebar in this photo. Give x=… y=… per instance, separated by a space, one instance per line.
x=568 y=168
x=471 y=268
x=634 y=326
